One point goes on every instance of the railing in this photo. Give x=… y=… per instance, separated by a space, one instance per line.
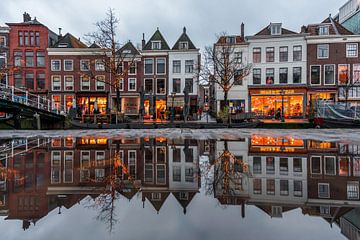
x=328 y=109
x=22 y=96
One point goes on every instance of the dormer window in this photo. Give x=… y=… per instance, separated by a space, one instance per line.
x=155 y=45
x=275 y=28
x=184 y=45
x=324 y=30
x=127 y=51
x=63 y=45
x=230 y=40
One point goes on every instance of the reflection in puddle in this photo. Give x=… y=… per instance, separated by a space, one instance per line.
x=274 y=174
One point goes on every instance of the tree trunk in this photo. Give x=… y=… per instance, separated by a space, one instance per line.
x=118 y=103
x=225 y=100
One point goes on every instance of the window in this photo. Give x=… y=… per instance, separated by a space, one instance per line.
x=270 y=187
x=18 y=59
x=184 y=196
x=55 y=166
x=40 y=81
x=257 y=165
x=148 y=173
x=353 y=190
x=329 y=74
x=37 y=39
x=316 y=165
x=156 y=196
x=2 y=41
x=356 y=73
x=297 y=75
x=283 y=54
x=29 y=80
x=297 y=188
x=238 y=57
x=297 y=53
x=26 y=38
x=29 y=59
x=68 y=65
x=121 y=84
x=323 y=51
x=283 y=75
x=315 y=75
x=69 y=83
x=68 y=166
x=177 y=174
x=189 y=155
x=85 y=83
x=270 y=54
x=160 y=86
x=55 y=65
x=230 y=40
x=176 y=155
x=176 y=85
x=132 y=68
x=284 y=167
x=189 y=66
x=238 y=77
x=297 y=164
x=324 y=30
x=84 y=65
x=257 y=55
x=330 y=165
x=189 y=174
x=351 y=50
x=343 y=74
x=99 y=65
x=189 y=85
x=132 y=84
x=344 y=166
x=323 y=190
x=20 y=39
x=256 y=76
x=160 y=174
x=149 y=66
x=160 y=66
x=155 y=45
x=184 y=45
x=257 y=186
x=32 y=39
x=270 y=165
x=18 y=80
x=275 y=29
x=40 y=59
x=269 y=76
x=284 y=187
x=148 y=86
x=176 y=66
x=56 y=83
x=100 y=83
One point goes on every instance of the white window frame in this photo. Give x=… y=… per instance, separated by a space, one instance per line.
x=5 y=42
x=81 y=83
x=157 y=59
x=173 y=68
x=52 y=67
x=356 y=183
x=334 y=161
x=323 y=33
x=357 y=50
x=102 y=160
x=153 y=44
x=325 y=184
x=102 y=69
x=165 y=175
x=324 y=72
x=156 y=86
x=135 y=66
x=52 y=83
x=152 y=70
x=311 y=74
x=82 y=158
x=96 y=83
x=152 y=81
x=134 y=163
x=184 y=43
x=131 y=90
x=81 y=65
x=311 y=170
x=73 y=83
x=338 y=73
x=52 y=159
x=72 y=65
x=318 y=51
x=72 y=161
x=193 y=62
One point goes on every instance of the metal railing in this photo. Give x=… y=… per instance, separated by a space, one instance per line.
x=22 y=96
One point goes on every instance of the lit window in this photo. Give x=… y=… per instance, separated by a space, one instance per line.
x=269 y=76
x=343 y=74
x=56 y=83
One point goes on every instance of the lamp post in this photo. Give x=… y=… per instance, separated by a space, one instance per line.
x=172 y=107
x=282 y=92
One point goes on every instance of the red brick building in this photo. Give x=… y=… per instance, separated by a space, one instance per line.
x=4 y=54
x=28 y=55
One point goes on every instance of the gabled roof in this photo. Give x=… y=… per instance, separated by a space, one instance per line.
x=157 y=36
x=69 y=41
x=183 y=202
x=184 y=38
x=157 y=204
x=94 y=45
x=128 y=49
x=335 y=28
x=267 y=31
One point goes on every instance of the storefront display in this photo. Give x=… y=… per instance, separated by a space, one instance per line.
x=87 y=104
x=160 y=109
x=130 y=105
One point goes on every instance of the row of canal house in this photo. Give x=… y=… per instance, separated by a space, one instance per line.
x=73 y=74
x=293 y=69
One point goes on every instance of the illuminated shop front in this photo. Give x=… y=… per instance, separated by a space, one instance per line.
x=265 y=103
x=315 y=95
x=69 y=101
x=160 y=109
x=87 y=104
x=130 y=105
x=234 y=105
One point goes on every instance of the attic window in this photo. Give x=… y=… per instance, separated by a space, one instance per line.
x=183 y=45
x=324 y=30
x=275 y=29
x=230 y=40
x=155 y=45
x=126 y=51
x=63 y=45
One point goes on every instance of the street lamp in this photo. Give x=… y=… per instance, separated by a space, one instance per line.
x=172 y=107
x=282 y=92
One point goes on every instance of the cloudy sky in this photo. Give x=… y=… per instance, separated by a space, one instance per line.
x=203 y=18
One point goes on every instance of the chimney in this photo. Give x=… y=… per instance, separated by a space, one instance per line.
x=143 y=41
x=26 y=17
x=242 y=30
x=60 y=35
x=303 y=29
x=184 y=30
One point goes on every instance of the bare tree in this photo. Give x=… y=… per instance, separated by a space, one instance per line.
x=116 y=60
x=222 y=67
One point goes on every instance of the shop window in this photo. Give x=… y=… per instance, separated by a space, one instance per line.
x=148 y=86
x=56 y=83
x=100 y=83
x=297 y=75
x=256 y=76
x=176 y=85
x=29 y=59
x=69 y=101
x=99 y=65
x=160 y=86
x=351 y=50
x=40 y=81
x=315 y=75
x=329 y=73
x=322 y=51
x=283 y=75
x=29 y=80
x=283 y=53
x=149 y=66
x=343 y=74
x=284 y=187
x=160 y=66
x=189 y=85
x=176 y=66
x=56 y=100
x=68 y=65
x=297 y=164
x=40 y=59
x=323 y=190
x=270 y=187
x=55 y=65
x=298 y=188
x=297 y=53
x=189 y=66
x=270 y=76
x=257 y=186
x=85 y=65
x=85 y=83
x=270 y=54
x=257 y=55
x=18 y=59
